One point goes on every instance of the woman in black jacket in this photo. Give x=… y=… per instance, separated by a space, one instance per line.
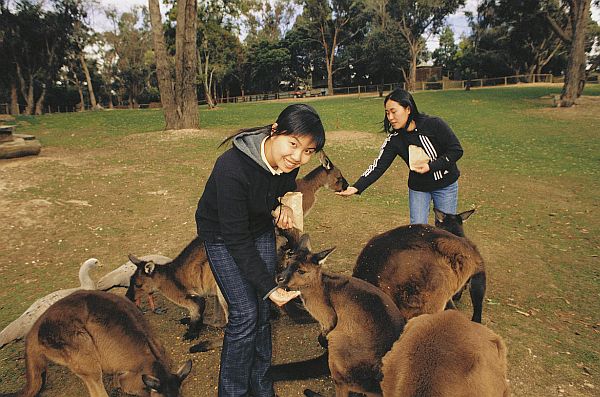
x=429 y=148
x=235 y=219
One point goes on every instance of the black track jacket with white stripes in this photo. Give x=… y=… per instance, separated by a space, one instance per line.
x=439 y=142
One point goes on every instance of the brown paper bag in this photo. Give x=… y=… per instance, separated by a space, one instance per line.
x=294 y=201
x=416 y=156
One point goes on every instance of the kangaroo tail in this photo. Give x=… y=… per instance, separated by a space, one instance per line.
x=206 y=345
x=36 y=372
x=307 y=369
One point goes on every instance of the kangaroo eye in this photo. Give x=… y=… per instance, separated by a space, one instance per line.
x=300 y=271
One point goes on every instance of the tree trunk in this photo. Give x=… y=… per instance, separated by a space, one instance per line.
x=88 y=78
x=14 y=99
x=163 y=69
x=186 y=63
x=575 y=73
x=30 y=99
x=80 y=90
x=411 y=82
x=39 y=105
x=206 y=80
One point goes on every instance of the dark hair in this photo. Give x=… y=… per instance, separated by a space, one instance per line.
x=297 y=119
x=405 y=99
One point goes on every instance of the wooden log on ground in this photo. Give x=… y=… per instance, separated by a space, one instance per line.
x=6 y=133
x=21 y=145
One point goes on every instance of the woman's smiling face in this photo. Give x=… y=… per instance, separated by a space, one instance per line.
x=288 y=152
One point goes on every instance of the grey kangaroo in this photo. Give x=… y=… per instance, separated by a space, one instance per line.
x=360 y=322
x=95 y=332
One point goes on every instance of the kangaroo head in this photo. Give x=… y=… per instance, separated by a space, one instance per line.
x=303 y=267
x=142 y=280
x=169 y=384
x=452 y=223
x=335 y=179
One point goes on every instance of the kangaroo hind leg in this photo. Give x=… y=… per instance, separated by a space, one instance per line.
x=477 y=293
x=85 y=361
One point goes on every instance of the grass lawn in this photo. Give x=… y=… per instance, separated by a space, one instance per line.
x=111 y=183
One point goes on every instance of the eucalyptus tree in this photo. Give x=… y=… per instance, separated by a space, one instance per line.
x=37 y=39
x=417 y=21
x=445 y=54
x=572 y=29
x=178 y=95
x=130 y=39
x=523 y=39
x=333 y=24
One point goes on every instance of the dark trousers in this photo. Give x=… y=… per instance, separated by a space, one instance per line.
x=246 y=354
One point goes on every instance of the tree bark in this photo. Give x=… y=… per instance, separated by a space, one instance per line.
x=206 y=80
x=163 y=69
x=186 y=63
x=575 y=74
x=39 y=105
x=88 y=78
x=14 y=99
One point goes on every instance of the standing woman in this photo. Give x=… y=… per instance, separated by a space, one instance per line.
x=430 y=149
x=235 y=218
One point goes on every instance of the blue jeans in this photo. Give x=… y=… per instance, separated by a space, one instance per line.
x=445 y=200
x=246 y=354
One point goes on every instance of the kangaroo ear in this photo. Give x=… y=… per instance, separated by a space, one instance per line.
x=324 y=160
x=184 y=370
x=439 y=215
x=151 y=382
x=304 y=242
x=465 y=215
x=149 y=267
x=134 y=259
x=320 y=257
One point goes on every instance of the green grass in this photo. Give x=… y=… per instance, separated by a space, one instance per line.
x=530 y=170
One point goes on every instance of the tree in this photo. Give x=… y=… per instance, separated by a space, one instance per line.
x=38 y=40
x=333 y=23
x=417 y=19
x=445 y=54
x=130 y=39
x=178 y=97
x=573 y=34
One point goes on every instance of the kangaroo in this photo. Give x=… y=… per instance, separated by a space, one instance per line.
x=360 y=322
x=325 y=175
x=94 y=332
x=445 y=354
x=185 y=281
x=422 y=267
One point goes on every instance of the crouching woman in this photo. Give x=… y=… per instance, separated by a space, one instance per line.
x=235 y=219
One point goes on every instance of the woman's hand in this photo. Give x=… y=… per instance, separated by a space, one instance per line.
x=284 y=216
x=280 y=296
x=421 y=168
x=348 y=192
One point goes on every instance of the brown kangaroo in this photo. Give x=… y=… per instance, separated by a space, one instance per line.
x=422 y=267
x=95 y=332
x=360 y=322
x=445 y=354
x=325 y=175
x=185 y=281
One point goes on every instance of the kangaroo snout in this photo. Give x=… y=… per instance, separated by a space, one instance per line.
x=345 y=184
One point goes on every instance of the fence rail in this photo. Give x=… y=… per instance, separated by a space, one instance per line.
x=374 y=88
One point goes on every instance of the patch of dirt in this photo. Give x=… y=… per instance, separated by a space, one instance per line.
x=586 y=107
